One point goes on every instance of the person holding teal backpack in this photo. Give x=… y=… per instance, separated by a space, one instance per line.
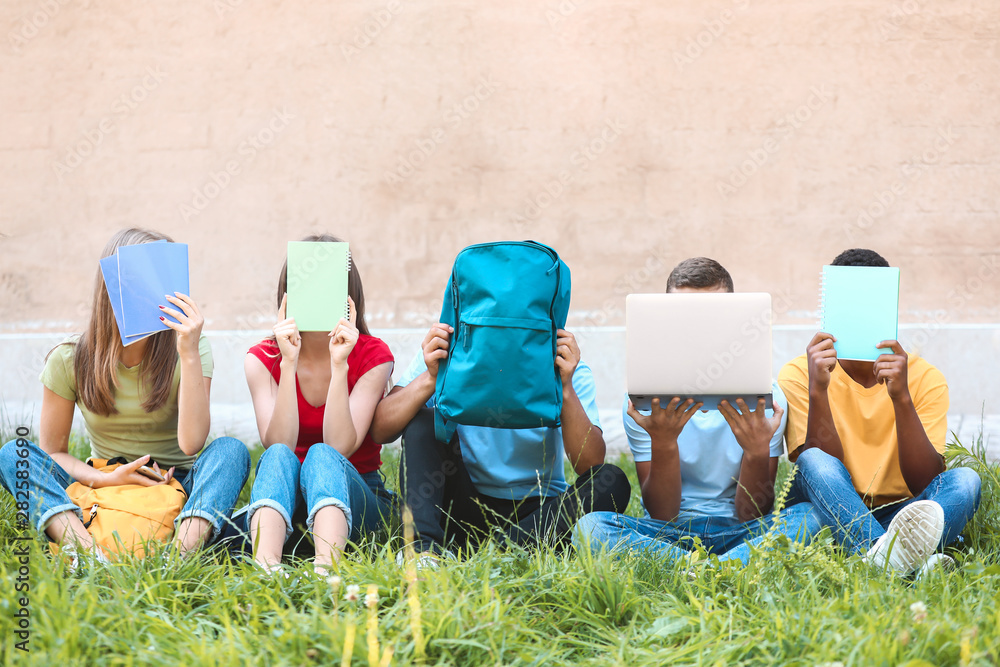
x=487 y=410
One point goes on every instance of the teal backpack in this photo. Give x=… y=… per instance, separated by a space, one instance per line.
x=505 y=301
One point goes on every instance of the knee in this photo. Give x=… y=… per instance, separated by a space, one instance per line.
x=324 y=457
x=611 y=482
x=279 y=456
x=232 y=450
x=11 y=453
x=967 y=484
x=8 y=455
x=815 y=461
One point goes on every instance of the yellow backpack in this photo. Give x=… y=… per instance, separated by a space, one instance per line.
x=124 y=518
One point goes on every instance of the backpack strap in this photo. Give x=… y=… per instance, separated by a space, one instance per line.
x=444 y=430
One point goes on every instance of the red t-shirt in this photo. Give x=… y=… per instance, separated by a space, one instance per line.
x=368 y=353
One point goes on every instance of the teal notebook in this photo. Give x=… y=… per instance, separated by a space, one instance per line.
x=860 y=308
x=317 y=284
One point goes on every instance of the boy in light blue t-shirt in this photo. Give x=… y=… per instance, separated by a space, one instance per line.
x=496 y=482
x=703 y=474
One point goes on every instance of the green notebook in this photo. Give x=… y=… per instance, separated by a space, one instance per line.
x=860 y=307
x=317 y=284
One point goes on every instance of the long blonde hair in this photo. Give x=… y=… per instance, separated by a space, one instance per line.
x=99 y=348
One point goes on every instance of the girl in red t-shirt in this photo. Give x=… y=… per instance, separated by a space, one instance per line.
x=314 y=395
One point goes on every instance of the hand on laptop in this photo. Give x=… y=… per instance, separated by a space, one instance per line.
x=822 y=359
x=667 y=422
x=753 y=429
x=435 y=347
x=891 y=370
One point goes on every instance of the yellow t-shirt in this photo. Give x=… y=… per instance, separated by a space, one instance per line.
x=866 y=423
x=132 y=432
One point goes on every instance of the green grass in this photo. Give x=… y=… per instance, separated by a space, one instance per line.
x=793 y=605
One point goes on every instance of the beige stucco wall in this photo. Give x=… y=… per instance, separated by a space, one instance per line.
x=613 y=130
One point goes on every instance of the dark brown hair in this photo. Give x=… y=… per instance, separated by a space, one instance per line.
x=699 y=273
x=354 y=287
x=99 y=348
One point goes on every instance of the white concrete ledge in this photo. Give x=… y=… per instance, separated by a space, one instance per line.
x=958 y=350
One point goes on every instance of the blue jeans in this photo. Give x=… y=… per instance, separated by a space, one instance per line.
x=212 y=484
x=728 y=537
x=823 y=480
x=326 y=478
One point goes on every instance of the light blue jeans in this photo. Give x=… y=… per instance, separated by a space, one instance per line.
x=212 y=484
x=726 y=537
x=324 y=479
x=823 y=480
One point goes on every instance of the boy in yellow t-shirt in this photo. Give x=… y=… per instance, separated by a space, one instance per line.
x=868 y=439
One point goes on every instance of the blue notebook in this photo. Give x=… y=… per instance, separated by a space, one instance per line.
x=109 y=268
x=860 y=307
x=137 y=279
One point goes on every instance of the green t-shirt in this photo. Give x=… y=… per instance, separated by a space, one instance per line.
x=132 y=432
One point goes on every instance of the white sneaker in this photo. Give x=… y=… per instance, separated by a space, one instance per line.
x=912 y=536
x=936 y=564
x=425 y=560
x=95 y=554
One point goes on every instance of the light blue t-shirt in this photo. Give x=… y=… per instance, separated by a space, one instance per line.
x=516 y=463
x=710 y=458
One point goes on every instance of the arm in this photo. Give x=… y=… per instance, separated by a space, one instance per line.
x=193 y=417
x=820 y=429
x=276 y=405
x=583 y=442
x=53 y=438
x=918 y=460
x=345 y=427
x=753 y=432
x=397 y=409
x=347 y=416
x=660 y=477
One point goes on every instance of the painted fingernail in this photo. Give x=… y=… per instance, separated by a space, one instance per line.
x=163 y=319
x=162 y=307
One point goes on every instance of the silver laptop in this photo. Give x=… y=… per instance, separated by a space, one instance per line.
x=705 y=346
